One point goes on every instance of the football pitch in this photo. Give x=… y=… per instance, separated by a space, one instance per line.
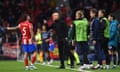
x=18 y=66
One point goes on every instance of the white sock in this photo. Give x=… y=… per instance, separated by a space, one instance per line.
x=26 y=66
x=32 y=64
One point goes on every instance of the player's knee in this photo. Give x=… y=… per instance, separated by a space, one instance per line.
x=25 y=55
x=35 y=53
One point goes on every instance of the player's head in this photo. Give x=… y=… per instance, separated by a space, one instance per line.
x=93 y=13
x=111 y=17
x=101 y=13
x=55 y=15
x=38 y=30
x=79 y=14
x=26 y=17
x=44 y=28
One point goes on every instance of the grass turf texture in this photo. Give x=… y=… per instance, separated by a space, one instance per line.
x=14 y=66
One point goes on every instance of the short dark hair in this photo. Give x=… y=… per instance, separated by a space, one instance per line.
x=112 y=15
x=59 y=12
x=56 y=11
x=93 y=10
x=25 y=16
x=103 y=11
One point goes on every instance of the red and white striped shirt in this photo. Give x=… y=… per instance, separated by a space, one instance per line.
x=25 y=30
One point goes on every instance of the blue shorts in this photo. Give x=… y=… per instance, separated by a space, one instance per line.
x=29 y=48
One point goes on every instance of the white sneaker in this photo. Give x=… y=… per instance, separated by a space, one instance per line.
x=82 y=68
x=43 y=63
x=27 y=68
x=87 y=66
x=32 y=67
x=107 y=67
x=97 y=66
x=50 y=62
x=90 y=66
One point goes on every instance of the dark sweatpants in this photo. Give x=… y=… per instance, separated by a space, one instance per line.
x=64 y=50
x=99 y=51
x=105 y=49
x=82 y=49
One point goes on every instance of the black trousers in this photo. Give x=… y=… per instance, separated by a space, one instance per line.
x=105 y=49
x=64 y=51
x=82 y=49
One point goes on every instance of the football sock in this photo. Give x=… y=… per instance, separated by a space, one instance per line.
x=26 y=62
x=76 y=57
x=33 y=59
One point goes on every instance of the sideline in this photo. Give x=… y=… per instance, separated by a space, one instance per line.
x=54 y=66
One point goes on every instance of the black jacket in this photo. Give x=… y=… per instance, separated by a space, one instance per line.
x=60 y=28
x=98 y=29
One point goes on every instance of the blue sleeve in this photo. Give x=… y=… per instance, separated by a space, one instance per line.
x=113 y=31
x=95 y=29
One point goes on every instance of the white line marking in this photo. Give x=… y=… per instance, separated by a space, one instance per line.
x=57 y=66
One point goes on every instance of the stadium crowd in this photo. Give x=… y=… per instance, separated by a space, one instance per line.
x=90 y=31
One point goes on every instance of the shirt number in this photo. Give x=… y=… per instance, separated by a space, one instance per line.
x=24 y=32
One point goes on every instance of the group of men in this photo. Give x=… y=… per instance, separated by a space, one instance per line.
x=98 y=36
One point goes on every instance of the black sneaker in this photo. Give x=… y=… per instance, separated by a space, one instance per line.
x=78 y=64
x=61 y=67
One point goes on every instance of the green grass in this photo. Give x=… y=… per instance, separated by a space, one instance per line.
x=14 y=66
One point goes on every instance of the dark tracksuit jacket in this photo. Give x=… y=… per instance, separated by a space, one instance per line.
x=97 y=31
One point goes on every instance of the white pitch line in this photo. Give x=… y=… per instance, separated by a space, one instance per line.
x=58 y=66
x=65 y=68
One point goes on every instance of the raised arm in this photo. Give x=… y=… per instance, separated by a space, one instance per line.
x=12 y=28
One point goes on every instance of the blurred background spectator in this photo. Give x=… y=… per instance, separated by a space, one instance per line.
x=11 y=10
x=40 y=10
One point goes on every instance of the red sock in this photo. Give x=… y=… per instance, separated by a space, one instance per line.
x=26 y=62
x=51 y=55
x=33 y=59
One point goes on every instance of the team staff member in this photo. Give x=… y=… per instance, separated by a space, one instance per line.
x=97 y=36
x=60 y=28
x=72 y=47
x=113 y=40
x=80 y=37
x=26 y=29
x=104 y=21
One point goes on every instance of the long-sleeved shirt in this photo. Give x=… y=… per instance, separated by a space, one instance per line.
x=113 y=40
x=97 y=29
x=60 y=28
